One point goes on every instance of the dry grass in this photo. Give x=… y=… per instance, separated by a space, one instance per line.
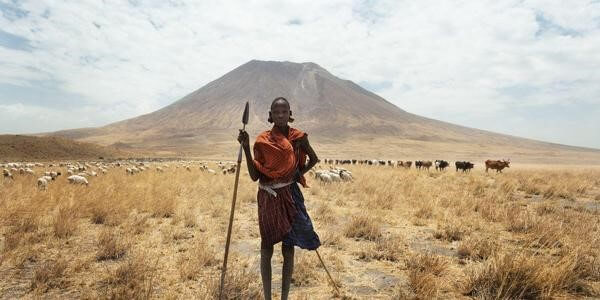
x=190 y=219
x=333 y=240
x=307 y=270
x=363 y=227
x=131 y=279
x=520 y=220
x=478 y=249
x=451 y=231
x=424 y=274
x=325 y=214
x=198 y=258
x=522 y=276
x=392 y=233
x=65 y=222
x=389 y=248
x=48 y=275
x=240 y=283
x=110 y=246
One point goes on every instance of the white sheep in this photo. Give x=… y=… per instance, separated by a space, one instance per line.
x=76 y=179
x=211 y=171
x=132 y=170
x=324 y=177
x=42 y=183
x=345 y=175
x=335 y=177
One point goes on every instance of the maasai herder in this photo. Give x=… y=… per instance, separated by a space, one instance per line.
x=279 y=164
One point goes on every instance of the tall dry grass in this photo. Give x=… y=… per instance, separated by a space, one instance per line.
x=389 y=233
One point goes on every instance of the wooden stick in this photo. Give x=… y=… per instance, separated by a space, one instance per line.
x=235 y=187
x=330 y=278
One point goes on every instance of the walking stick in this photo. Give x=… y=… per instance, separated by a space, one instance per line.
x=235 y=187
x=330 y=278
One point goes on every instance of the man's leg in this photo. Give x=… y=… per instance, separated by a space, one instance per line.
x=288 y=269
x=265 y=270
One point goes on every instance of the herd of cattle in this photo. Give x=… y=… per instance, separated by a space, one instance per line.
x=440 y=165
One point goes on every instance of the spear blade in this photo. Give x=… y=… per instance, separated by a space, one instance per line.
x=246 y=113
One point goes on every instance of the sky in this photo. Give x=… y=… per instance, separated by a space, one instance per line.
x=525 y=68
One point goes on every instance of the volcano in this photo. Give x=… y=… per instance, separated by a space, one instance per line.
x=342 y=119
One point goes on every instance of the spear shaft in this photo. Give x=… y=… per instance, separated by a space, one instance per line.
x=235 y=188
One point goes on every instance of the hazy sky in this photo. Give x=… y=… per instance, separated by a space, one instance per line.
x=527 y=68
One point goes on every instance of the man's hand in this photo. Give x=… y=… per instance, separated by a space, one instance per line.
x=243 y=138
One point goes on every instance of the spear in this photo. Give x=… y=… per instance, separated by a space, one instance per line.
x=235 y=187
x=330 y=278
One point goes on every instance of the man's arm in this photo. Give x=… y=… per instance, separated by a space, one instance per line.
x=313 y=159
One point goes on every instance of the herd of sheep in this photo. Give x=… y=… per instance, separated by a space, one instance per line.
x=82 y=172
x=331 y=175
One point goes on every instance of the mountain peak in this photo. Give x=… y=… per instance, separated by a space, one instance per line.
x=270 y=64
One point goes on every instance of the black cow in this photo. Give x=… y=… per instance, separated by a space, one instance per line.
x=440 y=165
x=465 y=166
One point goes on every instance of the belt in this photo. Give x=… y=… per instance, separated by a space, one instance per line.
x=270 y=188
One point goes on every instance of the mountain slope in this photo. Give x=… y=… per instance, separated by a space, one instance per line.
x=340 y=116
x=21 y=147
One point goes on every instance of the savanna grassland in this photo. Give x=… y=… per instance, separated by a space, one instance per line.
x=391 y=233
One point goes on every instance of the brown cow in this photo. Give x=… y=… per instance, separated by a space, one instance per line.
x=407 y=164
x=426 y=164
x=497 y=165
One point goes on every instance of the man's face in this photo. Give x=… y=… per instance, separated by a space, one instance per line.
x=280 y=113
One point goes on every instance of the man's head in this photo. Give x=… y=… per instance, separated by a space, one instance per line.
x=280 y=112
